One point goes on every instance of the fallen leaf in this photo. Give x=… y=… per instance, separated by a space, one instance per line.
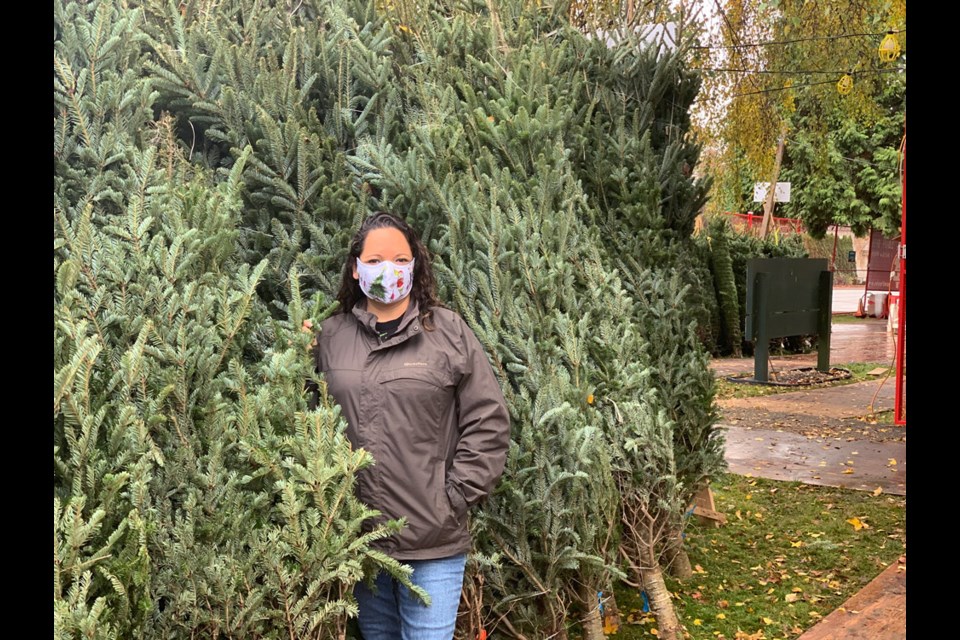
x=798 y=543
x=698 y=569
x=847 y=471
x=892 y=462
x=878 y=491
x=723 y=604
x=767 y=621
x=858 y=524
x=697 y=621
x=654 y=632
x=791 y=597
x=721 y=616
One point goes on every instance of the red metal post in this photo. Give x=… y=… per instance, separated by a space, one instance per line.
x=899 y=415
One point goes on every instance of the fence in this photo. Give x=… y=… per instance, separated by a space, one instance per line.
x=750 y=223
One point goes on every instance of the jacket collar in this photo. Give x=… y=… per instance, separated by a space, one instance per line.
x=369 y=321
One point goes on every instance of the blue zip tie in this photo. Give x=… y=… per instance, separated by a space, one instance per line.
x=646 y=602
x=600 y=602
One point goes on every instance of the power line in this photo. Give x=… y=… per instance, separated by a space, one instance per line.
x=783 y=42
x=794 y=86
x=794 y=72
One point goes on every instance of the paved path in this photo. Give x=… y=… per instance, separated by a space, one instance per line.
x=864 y=466
x=877 y=612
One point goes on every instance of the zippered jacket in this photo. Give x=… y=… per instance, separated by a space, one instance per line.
x=427 y=406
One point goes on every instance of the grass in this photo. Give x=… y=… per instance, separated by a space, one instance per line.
x=859 y=372
x=789 y=555
x=849 y=318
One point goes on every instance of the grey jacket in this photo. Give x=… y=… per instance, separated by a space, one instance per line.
x=427 y=406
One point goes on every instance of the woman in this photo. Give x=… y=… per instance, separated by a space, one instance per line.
x=420 y=395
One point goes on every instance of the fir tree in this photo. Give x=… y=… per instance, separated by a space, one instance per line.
x=194 y=492
x=299 y=87
x=489 y=151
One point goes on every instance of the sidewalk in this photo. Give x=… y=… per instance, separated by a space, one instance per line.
x=820 y=436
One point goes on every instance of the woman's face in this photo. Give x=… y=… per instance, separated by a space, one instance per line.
x=384 y=244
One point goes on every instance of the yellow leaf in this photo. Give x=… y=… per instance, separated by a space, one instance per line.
x=698 y=622
x=721 y=616
x=791 y=597
x=797 y=590
x=767 y=621
x=892 y=462
x=698 y=569
x=847 y=471
x=878 y=491
x=798 y=543
x=749 y=496
x=654 y=632
x=858 y=524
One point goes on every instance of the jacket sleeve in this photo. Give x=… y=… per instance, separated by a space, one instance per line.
x=484 y=429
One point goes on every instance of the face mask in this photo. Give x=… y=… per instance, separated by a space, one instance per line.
x=385 y=281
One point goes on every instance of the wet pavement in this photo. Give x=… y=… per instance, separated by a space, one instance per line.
x=864 y=466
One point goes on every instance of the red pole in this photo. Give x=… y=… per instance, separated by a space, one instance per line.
x=899 y=416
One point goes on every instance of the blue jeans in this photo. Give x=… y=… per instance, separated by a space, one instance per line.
x=391 y=611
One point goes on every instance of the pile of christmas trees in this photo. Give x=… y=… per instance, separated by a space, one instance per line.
x=211 y=160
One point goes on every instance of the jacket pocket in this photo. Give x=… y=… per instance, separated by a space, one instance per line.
x=416 y=406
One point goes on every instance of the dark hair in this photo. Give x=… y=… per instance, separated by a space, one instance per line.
x=424 y=284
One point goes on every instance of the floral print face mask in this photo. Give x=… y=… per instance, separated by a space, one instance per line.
x=385 y=281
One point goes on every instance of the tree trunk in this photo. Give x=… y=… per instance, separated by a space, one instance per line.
x=591 y=621
x=668 y=626
x=771 y=192
x=675 y=557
